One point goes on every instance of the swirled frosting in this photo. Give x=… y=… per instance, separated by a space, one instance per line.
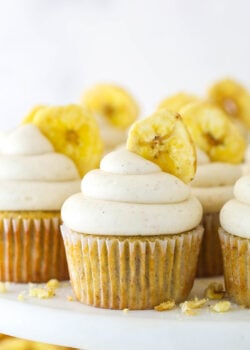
x=213 y=182
x=32 y=175
x=130 y=195
x=235 y=214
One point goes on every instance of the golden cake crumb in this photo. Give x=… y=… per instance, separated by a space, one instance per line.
x=53 y=283
x=165 y=306
x=70 y=298
x=214 y=291
x=3 y=287
x=42 y=293
x=190 y=307
x=221 y=306
x=20 y=296
x=125 y=310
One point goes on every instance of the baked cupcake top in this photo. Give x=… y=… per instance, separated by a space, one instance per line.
x=32 y=175
x=235 y=214
x=130 y=195
x=214 y=181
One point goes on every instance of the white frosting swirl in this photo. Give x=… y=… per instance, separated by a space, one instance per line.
x=235 y=214
x=32 y=175
x=129 y=195
x=213 y=182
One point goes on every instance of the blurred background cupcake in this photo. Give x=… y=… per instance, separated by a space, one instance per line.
x=220 y=147
x=132 y=236
x=220 y=150
x=36 y=177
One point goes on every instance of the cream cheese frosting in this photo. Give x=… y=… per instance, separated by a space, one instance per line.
x=213 y=182
x=235 y=214
x=32 y=175
x=130 y=195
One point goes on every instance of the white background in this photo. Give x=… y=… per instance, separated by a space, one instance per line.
x=50 y=50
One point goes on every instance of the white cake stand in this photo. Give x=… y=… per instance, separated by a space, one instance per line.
x=69 y=323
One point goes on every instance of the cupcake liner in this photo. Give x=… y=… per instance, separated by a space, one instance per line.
x=236 y=259
x=138 y=272
x=31 y=250
x=210 y=262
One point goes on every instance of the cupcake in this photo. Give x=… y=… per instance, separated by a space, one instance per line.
x=35 y=179
x=213 y=186
x=132 y=235
x=114 y=109
x=220 y=149
x=34 y=182
x=235 y=242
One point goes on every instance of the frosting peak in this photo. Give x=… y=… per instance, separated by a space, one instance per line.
x=25 y=140
x=124 y=162
x=32 y=175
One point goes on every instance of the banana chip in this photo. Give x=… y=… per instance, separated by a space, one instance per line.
x=163 y=139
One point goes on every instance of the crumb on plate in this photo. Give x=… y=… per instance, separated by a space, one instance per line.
x=165 y=306
x=190 y=307
x=221 y=306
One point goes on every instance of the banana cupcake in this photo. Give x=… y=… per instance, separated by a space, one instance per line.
x=132 y=236
x=34 y=182
x=35 y=179
x=220 y=149
x=114 y=109
x=235 y=242
x=213 y=186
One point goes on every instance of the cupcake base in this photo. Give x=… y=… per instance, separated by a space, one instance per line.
x=139 y=272
x=31 y=247
x=210 y=262
x=236 y=259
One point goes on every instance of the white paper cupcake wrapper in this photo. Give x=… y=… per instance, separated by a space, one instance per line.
x=210 y=261
x=131 y=272
x=31 y=250
x=236 y=259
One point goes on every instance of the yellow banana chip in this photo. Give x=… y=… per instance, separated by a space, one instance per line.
x=233 y=98
x=176 y=102
x=113 y=103
x=30 y=116
x=213 y=132
x=72 y=131
x=163 y=139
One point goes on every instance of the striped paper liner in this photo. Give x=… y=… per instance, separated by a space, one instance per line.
x=139 y=272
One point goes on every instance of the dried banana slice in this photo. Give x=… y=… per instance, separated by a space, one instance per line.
x=213 y=132
x=233 y=98
x=72 y=131
x=30 y=116
x=113 y=103
x=163 y=139
x=176 y=102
